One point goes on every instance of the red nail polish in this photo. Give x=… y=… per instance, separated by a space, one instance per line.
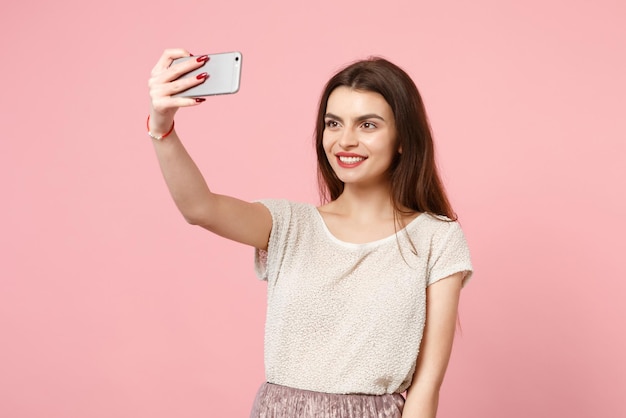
x=202 y=76
x=202 y=58
x=200 y=99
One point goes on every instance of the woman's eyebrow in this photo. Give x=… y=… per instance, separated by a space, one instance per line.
x=332 y=116
x=357 y=119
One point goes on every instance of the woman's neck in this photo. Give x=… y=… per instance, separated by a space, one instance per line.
x=361 y=216
x=364 y=203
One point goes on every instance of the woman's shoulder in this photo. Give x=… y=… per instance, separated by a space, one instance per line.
x=286 y=207
x=434 y=226
x=285 y=203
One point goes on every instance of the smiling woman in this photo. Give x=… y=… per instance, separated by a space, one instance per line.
x=358 y=308
x=359 y=133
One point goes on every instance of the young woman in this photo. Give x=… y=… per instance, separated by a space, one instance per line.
x=363 y=290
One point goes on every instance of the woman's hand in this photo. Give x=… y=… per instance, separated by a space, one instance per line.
x=163 y=84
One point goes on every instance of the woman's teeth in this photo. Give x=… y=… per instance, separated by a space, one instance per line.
x=350 y=160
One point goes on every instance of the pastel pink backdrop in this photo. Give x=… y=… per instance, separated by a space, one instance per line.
x=112 y=306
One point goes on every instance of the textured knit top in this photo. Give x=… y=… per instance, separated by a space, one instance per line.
x=344 y=317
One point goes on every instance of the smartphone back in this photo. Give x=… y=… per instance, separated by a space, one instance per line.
x=224 y=71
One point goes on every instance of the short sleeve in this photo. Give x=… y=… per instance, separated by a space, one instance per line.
x=266 y=262
x=449 y=254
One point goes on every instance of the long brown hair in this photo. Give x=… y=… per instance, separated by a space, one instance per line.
x=414 y=179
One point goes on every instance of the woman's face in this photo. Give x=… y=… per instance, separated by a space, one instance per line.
x=359 y=136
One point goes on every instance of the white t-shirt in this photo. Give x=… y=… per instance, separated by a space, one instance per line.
x=344 y=317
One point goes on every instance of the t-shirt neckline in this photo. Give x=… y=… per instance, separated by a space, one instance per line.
x=363 y=245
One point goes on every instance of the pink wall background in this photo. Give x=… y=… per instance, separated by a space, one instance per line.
x=111 y=306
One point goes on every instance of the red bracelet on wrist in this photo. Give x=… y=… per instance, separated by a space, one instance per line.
x=158 y=138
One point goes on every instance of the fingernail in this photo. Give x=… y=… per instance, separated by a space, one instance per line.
x=202 y=58
x=202 y=76
x=200 y=99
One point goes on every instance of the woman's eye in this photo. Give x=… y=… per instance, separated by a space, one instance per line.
x=331 y=124
x=368 y=125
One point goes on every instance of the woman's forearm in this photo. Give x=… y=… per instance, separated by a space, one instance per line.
x=183 y=178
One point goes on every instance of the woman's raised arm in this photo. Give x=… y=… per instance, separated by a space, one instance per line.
x=248 y=223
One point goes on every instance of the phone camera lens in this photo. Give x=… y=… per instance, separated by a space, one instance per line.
x=236 y=58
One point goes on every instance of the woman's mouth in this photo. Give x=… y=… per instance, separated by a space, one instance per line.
x=350 y=160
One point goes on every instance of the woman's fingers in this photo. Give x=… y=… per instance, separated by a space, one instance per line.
x=177 y=69
x=168 y=88
x=167 y=57
x=165 y=80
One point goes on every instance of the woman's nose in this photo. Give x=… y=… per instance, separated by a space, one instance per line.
x=348 y=139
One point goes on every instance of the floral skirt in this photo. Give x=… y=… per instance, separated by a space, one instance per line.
x=275 y=401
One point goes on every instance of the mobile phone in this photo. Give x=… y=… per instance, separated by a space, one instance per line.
x=224 y=75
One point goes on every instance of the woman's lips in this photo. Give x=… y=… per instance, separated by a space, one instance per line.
x=349 y=160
